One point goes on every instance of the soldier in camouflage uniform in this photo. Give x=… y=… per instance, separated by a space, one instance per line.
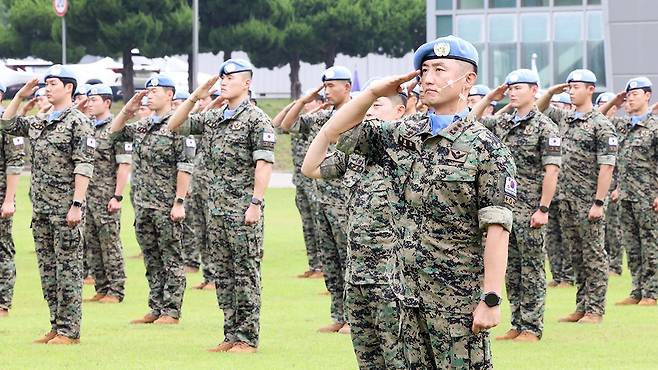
x=638 y=160
x=163 y=164
x=305 y=197
x=534 y=142
x=103 y=219
x=12 y=155
x=452 y=180
x=370 y=303
x=589 y=141
x=62 y=163
x=613 y=242
x=332 y=215
x=240 y=156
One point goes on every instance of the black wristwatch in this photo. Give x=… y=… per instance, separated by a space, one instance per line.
x=491 y=299
x=180 y=200
x=598 y=202
x=256 y=201
x=543 y=209
x=76 y=203
x=118 y=197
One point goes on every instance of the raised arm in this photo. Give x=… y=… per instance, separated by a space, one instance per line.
x=496 y=94
x=545 y=100
x=617 y=101
x=183 y=110
x=128 y=111
x=25 y=92
x=296 y=109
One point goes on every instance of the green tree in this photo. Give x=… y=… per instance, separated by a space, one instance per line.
x=115 y=27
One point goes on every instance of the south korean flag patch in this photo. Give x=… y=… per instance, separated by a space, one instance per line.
x=91 y=142
x=269 y=137
x=554 y=144
x=18 y=141
x=190 y=143
x=510 y=191
x=128 y=147
x=613 y=144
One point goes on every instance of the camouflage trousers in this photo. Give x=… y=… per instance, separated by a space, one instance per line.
x=198 y=223
x=160 y=240
x=237 y=250
x=640 y=234
x=7 y=264
x=559 y=257
x=59 y=255
x=440 y=340
x=374 y=318
x=332 y=242
x=525 y=277
x=307 y=208
x=103 y=241
x=613 y=241
x=190 y=241
x=585 y=241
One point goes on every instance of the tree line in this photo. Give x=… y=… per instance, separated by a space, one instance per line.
x=272 y=32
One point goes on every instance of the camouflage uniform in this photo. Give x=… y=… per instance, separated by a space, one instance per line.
x=102 y=229
x=306 y=201
x=158 y=156
x=370 y=303
x=559 y=257
x=588 y=142
x=61 y=149
x=12 y=155
x=613 y=228
x=446 y=190
x=235 y=144
x=191 y=241
x=330 y=222
x=638 y=175
x=535 y=143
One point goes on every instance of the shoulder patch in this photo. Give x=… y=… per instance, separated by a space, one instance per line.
x=18 y=141
x=269 y=137
x=510 y=186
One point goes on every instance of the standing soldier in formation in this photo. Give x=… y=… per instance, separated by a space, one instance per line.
x=240 y=156
x=331 y=217
x=103 y=219
x=163 y=171
x=370 y=302
x=12 y=155
x=535 y=144
x=305 y=195
x=613 y=242
x=452 y=180
x=638 y=161
x=62 y=163
x=477 y=93
x=589 y=142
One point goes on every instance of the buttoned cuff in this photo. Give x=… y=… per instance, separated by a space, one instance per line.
x=263 y=155
x=84 y=169
x=495 y=215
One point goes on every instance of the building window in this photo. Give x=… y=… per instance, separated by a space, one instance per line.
x=535 y=41
x=594 y=2
x=443 y=25
x=502 y=47
x=470 y=4
x=529 y=3
x=502 y=3
x=568 y=2
x=471 y=28
x=595 y=47
x=444 y=4
x=568 y=46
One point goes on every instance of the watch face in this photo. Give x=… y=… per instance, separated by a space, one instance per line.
x=491 y=300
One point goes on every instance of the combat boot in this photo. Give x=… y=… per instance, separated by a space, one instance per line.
x=46 y=338
x=333 y=328
x=166 y=320
x=511 y=334
x=591 y=318
x=572 y=317
x=242 y=347
x=346 y=329
x=526 y=337
x=647 y=302
x=147 y=319
x=97 y=297
x=627 y=301
x=222 y=347
x=61 y=339
x=109 y=299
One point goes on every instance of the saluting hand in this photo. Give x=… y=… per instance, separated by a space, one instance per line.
x=390 y=85
x=29 y=88
x=134 y=103
x=498 y=93
x=619 y=99
x=205 y=89
x=28 y=106
x=557 y=89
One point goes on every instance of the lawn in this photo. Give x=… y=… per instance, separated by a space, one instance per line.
x=292 y=310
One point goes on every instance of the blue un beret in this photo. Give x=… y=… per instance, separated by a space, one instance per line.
x=479 y=90
x=562 y=98
x=337 y=73
x=81 y=89
x=181 y=95
x=61 y=72
x=40 y=92
x=160 y=81
x=522 y=76
x=449 y=47
x=582 y=75
x=638 y=83
x=604 y=98
x=99 y=89
x=234 y=66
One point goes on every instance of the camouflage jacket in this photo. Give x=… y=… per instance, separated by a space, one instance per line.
x=372 y=240
x=587 y=142
x=447 y=189
x=61 y=148
x=107 y=158
x=534 y=142
x=12 y=158
x=158 y=156
x=328 y=191
x=638 y=159
x=235 y=144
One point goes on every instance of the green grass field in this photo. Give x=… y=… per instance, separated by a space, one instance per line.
x=292 y=310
